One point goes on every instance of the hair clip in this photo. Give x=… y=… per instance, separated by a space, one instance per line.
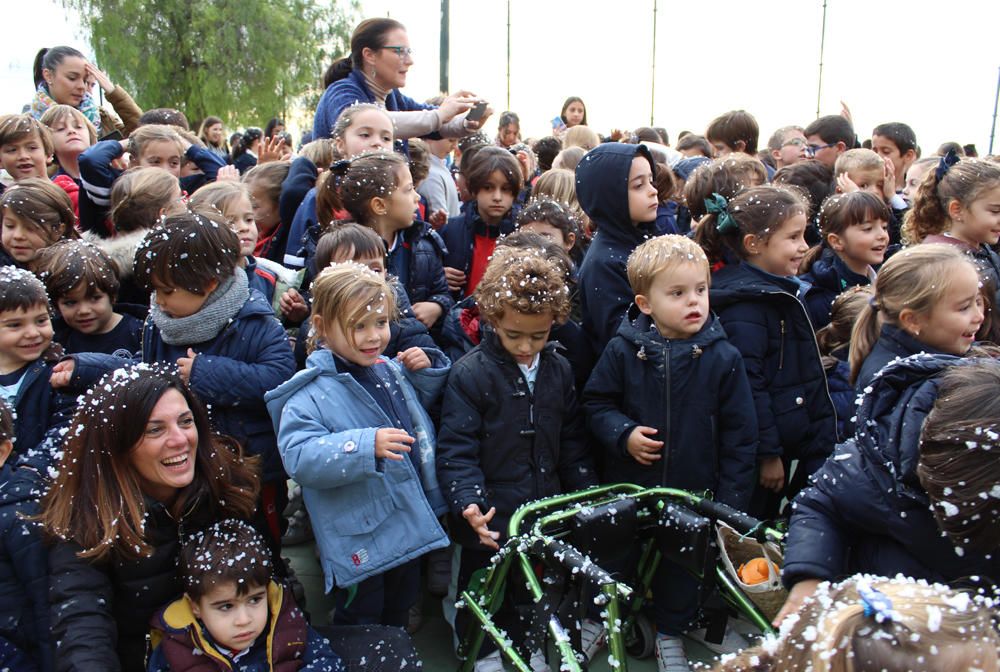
x=719 y=206
x=876 y=603
x=873 y=303
x=945 y=164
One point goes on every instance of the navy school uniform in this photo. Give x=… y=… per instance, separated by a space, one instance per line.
x=122 y=341
x=459 y=235
x=829 y=277
x=41 y=413
x=893 y=343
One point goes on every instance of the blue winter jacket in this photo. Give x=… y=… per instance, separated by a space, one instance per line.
x=865 y=510
x=41 y=415
x=459 y=236
x=24 y=575
x=893 y=343
x=829 y=277
x=770 y=328
x=354 y=89
x=694 y=391
x=231 y=373
x=602 y=190
x=369 y=514
x=426 y=281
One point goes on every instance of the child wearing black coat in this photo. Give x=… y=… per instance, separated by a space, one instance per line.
x=670 y=404
x=511 y=430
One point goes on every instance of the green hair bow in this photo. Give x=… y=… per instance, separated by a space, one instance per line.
x=719 y=206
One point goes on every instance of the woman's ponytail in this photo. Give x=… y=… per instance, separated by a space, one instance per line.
x=37 y=67
x=337 y=71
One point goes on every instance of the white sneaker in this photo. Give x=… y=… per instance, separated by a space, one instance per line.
x=490 y=663
x=670 y=654
x=593 y=637
x=732 y=641
x=537 y=662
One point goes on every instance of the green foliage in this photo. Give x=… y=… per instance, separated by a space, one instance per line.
x=242 y=60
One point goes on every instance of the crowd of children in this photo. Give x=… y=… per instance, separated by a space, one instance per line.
x=424 y=336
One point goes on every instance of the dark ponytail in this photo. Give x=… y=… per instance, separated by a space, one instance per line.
x=369 y=34
x=337 y=71
x=48 y=59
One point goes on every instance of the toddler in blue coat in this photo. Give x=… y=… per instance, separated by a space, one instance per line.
x=353 y=432
x=671 y=405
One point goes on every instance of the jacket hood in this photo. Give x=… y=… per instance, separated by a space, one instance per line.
x=19 y=485
x=602 y=187
x=742 y=281
x=121 y=248
x=892 y=413
x=637 y=328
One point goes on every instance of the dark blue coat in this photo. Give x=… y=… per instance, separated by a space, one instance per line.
x=24 y=576
x=829 y=277
x=770 y=328
x=865 y=510
x=261 y=279
x=602 y=190
x=244 y=162
x=893 y=343
x=231 y=373
x=501 y=445
x=300 y=182
x=459 y=235
x=426 y=280
x=838 y=381
x=694 y=391
x=41 y=414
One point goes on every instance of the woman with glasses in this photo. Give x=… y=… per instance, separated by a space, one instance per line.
x=374 y=72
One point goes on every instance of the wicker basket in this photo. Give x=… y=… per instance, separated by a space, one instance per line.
x=735 y=550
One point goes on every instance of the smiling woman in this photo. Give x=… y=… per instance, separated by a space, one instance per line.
x=141 y=469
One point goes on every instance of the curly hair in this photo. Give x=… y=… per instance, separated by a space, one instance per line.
x=964 y=182
x=525 y=281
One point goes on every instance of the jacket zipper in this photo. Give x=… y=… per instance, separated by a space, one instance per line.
x=665 y=455
x=819 y=355
x=781 y=350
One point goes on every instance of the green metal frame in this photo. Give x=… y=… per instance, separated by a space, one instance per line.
x=546 y=514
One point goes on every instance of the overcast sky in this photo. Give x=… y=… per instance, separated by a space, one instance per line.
x=933 y=65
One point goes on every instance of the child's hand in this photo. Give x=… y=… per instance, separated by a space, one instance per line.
x=414 y=359
x=889 y=174
x=845 y=112
x=438 y=219
x=293 y=306
x=184 y=365
x=798 y=594
x=228 y=174
x=455 y=278
x=62 y=373
x=427 y=312
x=845 y=184
x=772 y=473
x=390 y=443
x=642 y=448
x=478 y=522
x=271 y=149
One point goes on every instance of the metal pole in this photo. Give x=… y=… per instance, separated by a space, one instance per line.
x=444 y=48
x=993 y=128
x=822 y=44
x=508 y=54
x=652 y=84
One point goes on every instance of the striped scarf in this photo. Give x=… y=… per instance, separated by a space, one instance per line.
x=43 y=101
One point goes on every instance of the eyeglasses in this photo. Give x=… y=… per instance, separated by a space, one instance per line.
x=812 y=149
x=798 y=142
x=402 y=52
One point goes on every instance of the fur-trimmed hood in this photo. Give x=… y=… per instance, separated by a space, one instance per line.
x=121 y=249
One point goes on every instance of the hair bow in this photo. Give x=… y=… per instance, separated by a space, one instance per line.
x=876 y=603
x=945 y=164
x=719 y=206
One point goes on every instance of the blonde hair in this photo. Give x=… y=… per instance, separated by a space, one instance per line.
x=662 y=255
x=320 y=152
x=581 y=136
x=844 y=313
x=219 y=195
x=141 y=138
x=858 y=159
x=345 y=293
x=523 y=280
x=915 y=278
x=570 y=157
x=918 y=627
x=138 y=196
x=559 y=184
x=57 y=113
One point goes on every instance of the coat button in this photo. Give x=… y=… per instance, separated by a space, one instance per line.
x=799 y=400
x=350 y=446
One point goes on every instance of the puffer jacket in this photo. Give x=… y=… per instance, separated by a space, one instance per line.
x=829 y=277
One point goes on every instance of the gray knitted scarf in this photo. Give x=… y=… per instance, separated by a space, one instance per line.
x=221 y=307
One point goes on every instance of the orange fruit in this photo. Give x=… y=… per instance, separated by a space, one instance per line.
x=755 y=571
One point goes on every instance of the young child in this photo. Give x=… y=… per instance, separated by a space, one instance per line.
x=670 y=404
x=834 y=341
x=378 y=192
x=615 y=186
x=82 y=281
x=233 y=612
x=72 y=134
x=897 y=143
x=494 y=177
x=221 y=334
x=264 y=182
x=908 y=494
x=25 y=147
x=726 y=177
x=735 y=131
x=758 y=303
x=27 y=355
x=25 y=637
x=34 y=214
x=915 y=175
x=874 y=623
x=366 y=471
x=959 y=204
x=551 y=220
x=511 y=428
x=855 y=231
x=829 y=137
x=927 y=299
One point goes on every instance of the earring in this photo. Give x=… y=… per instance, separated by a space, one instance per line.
x=373 y=73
